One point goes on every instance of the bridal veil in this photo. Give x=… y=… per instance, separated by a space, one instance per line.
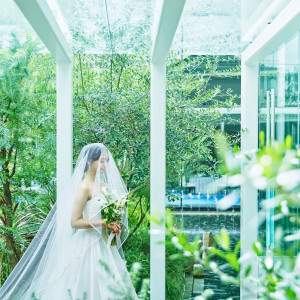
x=47 y=256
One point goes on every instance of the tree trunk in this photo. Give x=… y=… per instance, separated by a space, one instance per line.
x=9 y=239
x=8 y=212
x=139 y=223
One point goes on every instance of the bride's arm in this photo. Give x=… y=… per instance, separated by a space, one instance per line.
x=80 y=201
x=76 y=219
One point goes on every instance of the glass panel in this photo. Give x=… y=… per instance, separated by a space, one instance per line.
x=12 y=21
x=209 y=27
x=102 y=27
x=196 y=110
x=206 y=27
x=279 y=74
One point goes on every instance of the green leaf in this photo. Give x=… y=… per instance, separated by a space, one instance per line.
x=262 y=139
x=288 y=142
x=233 y=261
x=217 y=252
x=248 y=271
x=223 y=239
x=257 y=248
x=237 y=247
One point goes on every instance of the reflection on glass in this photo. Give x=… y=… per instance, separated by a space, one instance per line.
x=200 y=89
x=279 y=116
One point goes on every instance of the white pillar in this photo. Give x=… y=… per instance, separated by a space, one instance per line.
x=166 y=20
x=42 y=20
x=158 y=179
x=298 y=109
x=249 y=141
x=64 y=129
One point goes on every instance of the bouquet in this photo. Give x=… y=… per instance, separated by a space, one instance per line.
x=113 y=211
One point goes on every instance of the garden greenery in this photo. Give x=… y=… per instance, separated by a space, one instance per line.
x=111 y=105
x=276 y=167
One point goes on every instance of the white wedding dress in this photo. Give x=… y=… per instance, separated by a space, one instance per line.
x=62 y=263
x=94 y=270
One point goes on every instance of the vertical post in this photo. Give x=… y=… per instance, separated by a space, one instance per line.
x=298 y=102
x=249 y=203
x=42 y=20
x=270 y=193
x=272 y=115
x=268 y=119
x=157 y=179
x=222 y=126
x=64 y=129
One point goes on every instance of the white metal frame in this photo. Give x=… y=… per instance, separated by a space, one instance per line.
x=249 y=123
x=41 y=18
x=165 y=26
x=261 y=16
x=285 y=24
x=275 y=34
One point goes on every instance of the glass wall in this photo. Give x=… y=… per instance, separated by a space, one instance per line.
x=279 y=116
x=200 y=90
x=13 y=24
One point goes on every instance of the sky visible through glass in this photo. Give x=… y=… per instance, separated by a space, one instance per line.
x=12 y=21
x=124 y=26
x=209 y=27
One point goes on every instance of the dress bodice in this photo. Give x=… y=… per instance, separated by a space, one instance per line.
x=92 y=208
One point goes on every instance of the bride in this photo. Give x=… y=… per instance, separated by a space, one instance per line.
x=76 y=254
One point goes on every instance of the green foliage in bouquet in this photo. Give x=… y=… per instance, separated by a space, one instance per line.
x=113 y=211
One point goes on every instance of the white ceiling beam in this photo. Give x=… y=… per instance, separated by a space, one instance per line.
x=275 y=34
x=165 y=26
x=262 y=16
x=41 y=18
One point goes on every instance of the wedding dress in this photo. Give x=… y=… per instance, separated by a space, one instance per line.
x=66 y=264
x=94 y=268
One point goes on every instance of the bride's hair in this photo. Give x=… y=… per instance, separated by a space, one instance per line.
x=94 y=152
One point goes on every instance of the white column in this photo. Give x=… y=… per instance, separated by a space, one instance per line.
x=298 y=109
x=158 y=179
x=249 y=123
x=166 y=20
x=42 y=20
x=64 y=129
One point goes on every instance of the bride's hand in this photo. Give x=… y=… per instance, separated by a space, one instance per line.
x=114 y=227
x=118 y=231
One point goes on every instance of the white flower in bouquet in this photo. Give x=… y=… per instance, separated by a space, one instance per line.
x=113 y=211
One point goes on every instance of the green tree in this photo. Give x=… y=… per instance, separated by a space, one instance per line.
x=112 y=105
x=27 y=134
